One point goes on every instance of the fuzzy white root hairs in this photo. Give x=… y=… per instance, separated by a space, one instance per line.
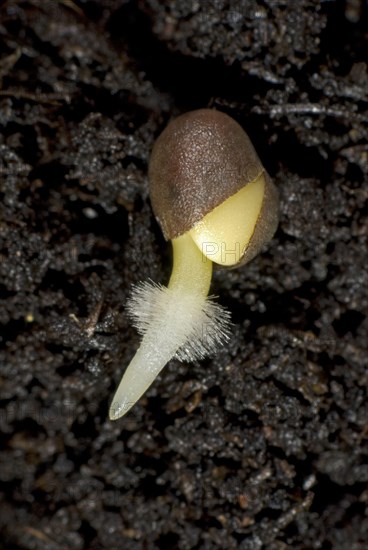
x=173 y=323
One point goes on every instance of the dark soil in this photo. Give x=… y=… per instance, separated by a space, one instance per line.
x=264 y=446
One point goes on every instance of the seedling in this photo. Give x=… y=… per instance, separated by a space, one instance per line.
x=215 y=202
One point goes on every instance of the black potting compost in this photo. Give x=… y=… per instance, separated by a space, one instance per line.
x=263 y=446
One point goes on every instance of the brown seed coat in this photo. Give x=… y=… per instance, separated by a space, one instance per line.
x=201 y=159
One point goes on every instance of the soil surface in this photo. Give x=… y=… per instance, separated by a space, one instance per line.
x=264 y=446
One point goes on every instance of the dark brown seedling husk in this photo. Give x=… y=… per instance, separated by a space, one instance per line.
x=202 y=158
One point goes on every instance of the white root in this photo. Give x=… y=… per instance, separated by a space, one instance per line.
x=174 y=323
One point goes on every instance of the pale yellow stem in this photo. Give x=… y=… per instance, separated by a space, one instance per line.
x=192 y=271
